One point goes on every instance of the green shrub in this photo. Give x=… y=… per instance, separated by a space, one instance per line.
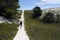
x=37 y=12
x=48 y=18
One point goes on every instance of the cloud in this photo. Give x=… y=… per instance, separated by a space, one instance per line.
x=52 y=1
x=43 y=2
x=40 y=3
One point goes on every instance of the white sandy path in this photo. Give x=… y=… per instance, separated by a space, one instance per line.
x=21 y=34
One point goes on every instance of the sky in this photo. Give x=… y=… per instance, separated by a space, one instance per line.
x=30 y=4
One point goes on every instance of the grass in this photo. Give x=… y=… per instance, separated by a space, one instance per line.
x=7 y=31
x=38 y=30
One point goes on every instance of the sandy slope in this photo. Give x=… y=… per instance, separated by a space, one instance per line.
x=3 y=20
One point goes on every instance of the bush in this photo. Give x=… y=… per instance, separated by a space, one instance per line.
x=37 y=12
x=58 y=18
x=48 y=18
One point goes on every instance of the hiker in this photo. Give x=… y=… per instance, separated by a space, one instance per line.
x=20 y=22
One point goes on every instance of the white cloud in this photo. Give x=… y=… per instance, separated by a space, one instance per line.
x=43 y=2
x=52 y=1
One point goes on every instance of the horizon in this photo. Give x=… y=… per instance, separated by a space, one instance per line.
x=43 y=4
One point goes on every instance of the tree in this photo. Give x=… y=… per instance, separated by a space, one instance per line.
x=8 y=7
x=48 y=18
x=37 y=12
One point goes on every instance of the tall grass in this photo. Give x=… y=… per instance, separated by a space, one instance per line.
x=38 y=30
x=8 y=31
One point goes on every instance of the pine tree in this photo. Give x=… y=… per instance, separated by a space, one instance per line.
x=37 y=12
x=8 y=8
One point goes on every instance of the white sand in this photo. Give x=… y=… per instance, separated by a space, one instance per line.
x=3 y=20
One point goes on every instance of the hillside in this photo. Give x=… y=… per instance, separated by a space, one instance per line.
x=37 y=30
x=56 y=10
